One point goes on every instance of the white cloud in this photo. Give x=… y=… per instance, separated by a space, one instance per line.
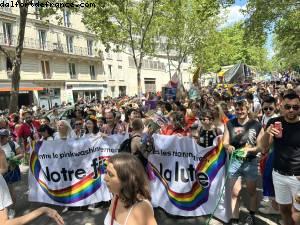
x=231 y=15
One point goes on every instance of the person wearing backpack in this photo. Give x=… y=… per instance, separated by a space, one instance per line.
x=12 y=152
x=137 y=133
x=134 y=143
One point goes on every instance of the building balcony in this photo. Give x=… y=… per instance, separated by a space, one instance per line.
x=47 y=46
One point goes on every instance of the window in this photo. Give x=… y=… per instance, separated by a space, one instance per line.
x=131 y=61
x=151 y=66
x=67 y=22
x=122 y=90
x=146 y=64
x=92 y=72
x=150 y=85
x=42 y=39
x=70 y=44
x=112 y=89
x=110 y=71
x=120 y=73
x=7 y=31
x=155 y=66
x=90 y=47
x=45 y=69
x=72 y=70
x=57 y=46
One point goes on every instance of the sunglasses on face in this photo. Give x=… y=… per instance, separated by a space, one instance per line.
x=205 y=118
x=289 y=107
x=268 y=108
x=78 y=124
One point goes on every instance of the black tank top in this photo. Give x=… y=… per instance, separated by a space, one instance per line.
x=206 y=137
x=240 y=135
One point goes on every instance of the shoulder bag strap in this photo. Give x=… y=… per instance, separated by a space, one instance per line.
x=113 y=215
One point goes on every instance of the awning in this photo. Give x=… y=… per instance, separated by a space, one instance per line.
x=24 y=86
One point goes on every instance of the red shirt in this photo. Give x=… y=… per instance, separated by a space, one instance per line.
x=27 y=130
x=169 y=130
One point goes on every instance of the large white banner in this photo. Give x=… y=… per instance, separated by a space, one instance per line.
x=71 y=172
x=188 y=178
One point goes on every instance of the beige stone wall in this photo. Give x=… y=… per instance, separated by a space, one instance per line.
x=122 y=74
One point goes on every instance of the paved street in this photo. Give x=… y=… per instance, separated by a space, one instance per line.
x=97 y=216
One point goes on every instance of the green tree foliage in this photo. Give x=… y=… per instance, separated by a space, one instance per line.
x=120 y=24
x=287 y=42
x=184 y=26
x=281 y=17
x=227 y=47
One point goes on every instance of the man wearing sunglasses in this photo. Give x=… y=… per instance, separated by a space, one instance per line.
x=286 y=164
x=266 y=162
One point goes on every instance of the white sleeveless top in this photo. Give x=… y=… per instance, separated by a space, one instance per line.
x=107 y=219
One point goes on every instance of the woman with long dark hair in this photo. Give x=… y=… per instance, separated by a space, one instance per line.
x=127 y=181
x=91 y=128
x=46 y=132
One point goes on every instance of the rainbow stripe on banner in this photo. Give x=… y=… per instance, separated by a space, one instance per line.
x=210 y=164
x=77 y=192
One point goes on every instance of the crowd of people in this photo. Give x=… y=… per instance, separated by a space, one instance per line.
x=261 y=119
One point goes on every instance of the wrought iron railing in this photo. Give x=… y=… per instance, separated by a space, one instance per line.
x=31 y=43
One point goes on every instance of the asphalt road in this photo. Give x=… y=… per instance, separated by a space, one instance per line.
x=96 y=217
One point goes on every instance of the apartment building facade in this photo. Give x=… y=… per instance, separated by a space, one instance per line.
x=121 y=73
x=60 y=62
x=63 y=62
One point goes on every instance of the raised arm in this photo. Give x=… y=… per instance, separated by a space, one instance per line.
x=30 y=216
x=266 y=140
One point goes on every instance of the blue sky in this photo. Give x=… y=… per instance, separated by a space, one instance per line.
x=240 y=2
x=233 y=15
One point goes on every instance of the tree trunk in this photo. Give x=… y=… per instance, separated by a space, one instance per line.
x=179 y=73
x=138 y=70
x=15 y=80
x=15 y=83
x=169 y=61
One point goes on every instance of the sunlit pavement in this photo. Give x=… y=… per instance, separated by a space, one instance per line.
x=97 y=216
